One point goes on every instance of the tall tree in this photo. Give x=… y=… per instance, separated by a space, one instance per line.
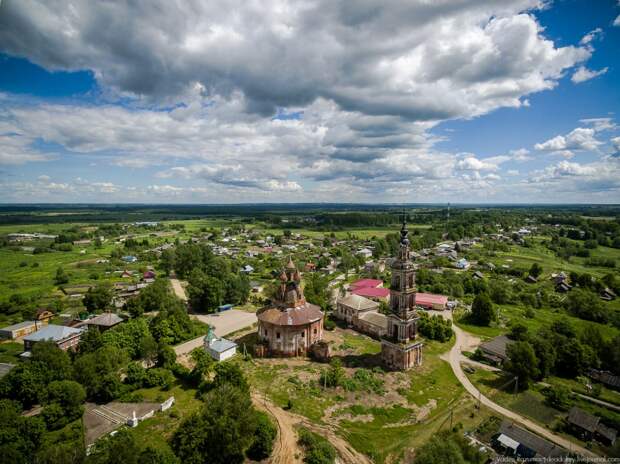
x=221 y=432
x=482 y=309
x=522 y=362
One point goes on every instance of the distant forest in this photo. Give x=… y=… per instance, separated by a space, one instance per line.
x=330 y=216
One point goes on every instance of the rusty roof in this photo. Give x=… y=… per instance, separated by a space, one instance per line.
x=298 y=315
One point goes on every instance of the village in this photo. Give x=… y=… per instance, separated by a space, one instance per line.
x=359 y=336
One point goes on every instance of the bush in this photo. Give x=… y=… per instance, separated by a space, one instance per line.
x=265 y=433
x=329 y=324
x=558 y=397
x=159 y=377
x=435 y=327
x=317 y=449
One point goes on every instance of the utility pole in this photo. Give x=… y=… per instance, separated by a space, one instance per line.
x=516 y=384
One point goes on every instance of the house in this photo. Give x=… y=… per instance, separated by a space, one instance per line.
x=309 y=267
x=148 y=275
x=81 y=242
x=351 y=306
x=129 y=259
x=462 y=264
x=365 y=252
x=530 y=279
x=19 y=330
x=43 y=316
x=495 y=349
x=522 y=444
x=126 y=274
x=478 y=275
x=104 y=321
x=559 y=278
x=587 y=426
x=562 y=287
x=66 y=338
x=605 y=377
x=247 y=269
x=431 y=301
x=372 y=323
x=219 y=349
x=608 y=294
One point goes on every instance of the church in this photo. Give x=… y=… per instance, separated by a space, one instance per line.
x=290 y=326
x=399 y=348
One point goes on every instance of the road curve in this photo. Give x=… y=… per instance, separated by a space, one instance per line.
x=454 y=358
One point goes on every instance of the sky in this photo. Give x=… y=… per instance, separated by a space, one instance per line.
x=241 y=101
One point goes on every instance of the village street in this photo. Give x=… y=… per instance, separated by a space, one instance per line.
x=465 y=342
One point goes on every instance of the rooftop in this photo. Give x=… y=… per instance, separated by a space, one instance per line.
x=299 y=315
x=105 y=320
x=430 y=298
x=221 y=345
x=497 y=346
x=374 y=318
x=582 y=419
x=358 y=302
x=19 y=325
x=53 y=332
x=535 y=443
x=371 y=292
x=363 y=283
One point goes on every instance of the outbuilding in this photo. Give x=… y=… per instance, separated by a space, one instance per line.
x=219 y=349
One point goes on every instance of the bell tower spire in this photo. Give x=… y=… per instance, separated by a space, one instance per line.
x=399 y=348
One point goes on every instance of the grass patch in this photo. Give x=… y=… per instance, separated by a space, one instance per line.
x=10 y=351
x=361 y=343
x=156 y=431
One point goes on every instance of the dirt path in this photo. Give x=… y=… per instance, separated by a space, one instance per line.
x=464 y=343
x=178 y=289
x=288 y=451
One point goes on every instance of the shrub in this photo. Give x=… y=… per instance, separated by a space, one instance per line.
x=159 y=377
x=558 y=397
x=265 y=433
x=317 y=449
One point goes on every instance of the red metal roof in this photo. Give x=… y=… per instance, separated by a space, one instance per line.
x=365 y=283
x=299 y=315
x=371 y=292
x=430 y=299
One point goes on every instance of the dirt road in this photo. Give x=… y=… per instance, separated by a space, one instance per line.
x=286 y=449
x=464 y=343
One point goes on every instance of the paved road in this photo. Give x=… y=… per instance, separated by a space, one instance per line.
x=223 y=323
x=454 y=358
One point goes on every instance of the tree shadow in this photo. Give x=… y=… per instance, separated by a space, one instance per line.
x=367 y=360
x=249 y=340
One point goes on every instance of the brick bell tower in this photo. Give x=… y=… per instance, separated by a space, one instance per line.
x=399 y=348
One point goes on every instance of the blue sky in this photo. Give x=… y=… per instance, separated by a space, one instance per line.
x=480 y=101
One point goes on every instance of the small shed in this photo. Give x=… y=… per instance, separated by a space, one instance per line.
x=219 y=349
